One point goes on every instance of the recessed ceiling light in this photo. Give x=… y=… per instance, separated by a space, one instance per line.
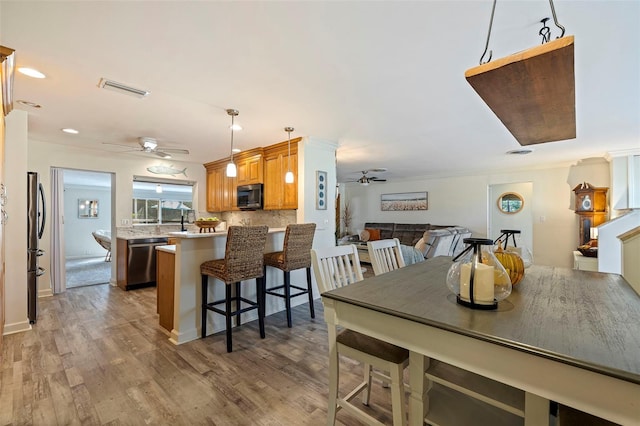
x=72 y=131
x=523 y=151
x=30 y=72
x=29 y=104
x=235 y=150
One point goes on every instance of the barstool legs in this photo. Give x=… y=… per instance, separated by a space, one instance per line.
x=310 y=290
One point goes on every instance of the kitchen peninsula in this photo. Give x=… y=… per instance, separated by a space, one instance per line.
x=192 y=249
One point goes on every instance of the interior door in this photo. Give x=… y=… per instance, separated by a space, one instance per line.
x=521 y=220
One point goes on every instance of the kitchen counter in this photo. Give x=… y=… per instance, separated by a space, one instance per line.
x=170 y=248
x=191 y=250
x=188 y=234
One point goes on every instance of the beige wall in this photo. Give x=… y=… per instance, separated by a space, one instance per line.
x=463 y=200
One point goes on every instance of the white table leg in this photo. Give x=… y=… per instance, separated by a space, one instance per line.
x=418 y=399
x=536 y=410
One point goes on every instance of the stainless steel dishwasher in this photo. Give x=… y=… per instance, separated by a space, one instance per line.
x=141 y=260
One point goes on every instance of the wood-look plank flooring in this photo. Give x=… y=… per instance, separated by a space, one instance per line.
x=97 y=356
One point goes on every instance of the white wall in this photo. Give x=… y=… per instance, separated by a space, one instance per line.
x=16 y=228
x=78 y=241
x=315 y=155
x=463 y=200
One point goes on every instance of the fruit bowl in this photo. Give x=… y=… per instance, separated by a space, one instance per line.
x=207 y=225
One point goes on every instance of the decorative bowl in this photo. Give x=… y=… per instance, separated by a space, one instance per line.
x=588 y=252
x=207 y=225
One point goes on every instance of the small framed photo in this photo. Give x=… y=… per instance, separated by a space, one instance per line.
x=321 y=190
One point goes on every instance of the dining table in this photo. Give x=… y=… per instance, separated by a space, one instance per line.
x=562 y=336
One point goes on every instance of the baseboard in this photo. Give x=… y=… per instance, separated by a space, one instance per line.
x=17 y=327
x=47 y=292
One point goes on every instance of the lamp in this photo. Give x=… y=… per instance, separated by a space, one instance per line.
x=231 y=167
x=288 y=177
x=159 y=189
x=477 y=278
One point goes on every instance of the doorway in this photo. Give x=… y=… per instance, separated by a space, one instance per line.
x=82 y=215
x=502 y=218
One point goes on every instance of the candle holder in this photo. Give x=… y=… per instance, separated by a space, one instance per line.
x=477 y=278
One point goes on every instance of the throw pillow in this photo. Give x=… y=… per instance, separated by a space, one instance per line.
x=374 y=234
x=421 y=246
x=364 y=236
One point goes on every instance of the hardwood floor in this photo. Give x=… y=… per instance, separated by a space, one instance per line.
x=98 y=356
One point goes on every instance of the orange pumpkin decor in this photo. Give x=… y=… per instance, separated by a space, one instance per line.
x=512 y=263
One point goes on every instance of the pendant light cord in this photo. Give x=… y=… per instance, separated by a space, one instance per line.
x=232 y=117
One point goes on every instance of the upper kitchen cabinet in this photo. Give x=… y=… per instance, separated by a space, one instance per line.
x=279 y=195
x=221 y=190
x=250 y=167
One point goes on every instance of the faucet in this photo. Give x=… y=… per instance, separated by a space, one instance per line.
x=182 y=228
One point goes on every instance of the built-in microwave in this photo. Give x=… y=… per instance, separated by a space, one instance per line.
x=250 y=197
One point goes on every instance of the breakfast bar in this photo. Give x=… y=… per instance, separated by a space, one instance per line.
x=562 y=335
x=191 y=250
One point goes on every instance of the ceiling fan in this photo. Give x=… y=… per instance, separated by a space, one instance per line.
x=150 y=145
x=365 y=180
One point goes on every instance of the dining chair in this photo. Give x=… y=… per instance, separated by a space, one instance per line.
x=295 y=254
x=336 y=267
x=385 y=255
x=243 y=260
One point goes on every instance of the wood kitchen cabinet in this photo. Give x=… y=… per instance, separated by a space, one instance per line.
x=279 y=195
x=165 y=278
x=221 y=190
x=250 y=167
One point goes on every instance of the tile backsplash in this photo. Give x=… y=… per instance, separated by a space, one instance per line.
x=271 y=218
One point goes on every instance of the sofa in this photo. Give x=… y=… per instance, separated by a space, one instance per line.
x=441 y=240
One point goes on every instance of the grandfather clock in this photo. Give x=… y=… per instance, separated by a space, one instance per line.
x=591 y=207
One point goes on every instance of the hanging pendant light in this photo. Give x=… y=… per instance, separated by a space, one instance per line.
x=231 y=167
x=288 y=177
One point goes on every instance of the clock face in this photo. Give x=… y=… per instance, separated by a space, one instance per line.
x=584 y=203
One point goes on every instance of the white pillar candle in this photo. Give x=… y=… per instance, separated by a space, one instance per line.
x=483 y=291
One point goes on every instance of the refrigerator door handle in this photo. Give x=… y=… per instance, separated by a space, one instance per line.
x=40 y=272
x=44 y=211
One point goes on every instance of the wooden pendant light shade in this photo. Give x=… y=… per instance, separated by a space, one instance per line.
x=532 y=92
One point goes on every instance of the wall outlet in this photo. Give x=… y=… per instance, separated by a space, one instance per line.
x=124 y=222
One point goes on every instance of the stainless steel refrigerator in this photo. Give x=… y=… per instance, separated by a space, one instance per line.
x=36 y=216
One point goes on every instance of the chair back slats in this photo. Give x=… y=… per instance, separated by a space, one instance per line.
x=385 y=255
x=335 y=267
x=244 y=257
x=298 y=239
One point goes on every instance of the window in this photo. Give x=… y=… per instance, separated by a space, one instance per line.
x=158 y=202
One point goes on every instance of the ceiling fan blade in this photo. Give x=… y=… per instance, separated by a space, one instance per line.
x=377 y=180
x=133 y=148
x=176 y=150
x=161 y=154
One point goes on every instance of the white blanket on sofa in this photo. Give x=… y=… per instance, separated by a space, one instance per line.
x=411 y=254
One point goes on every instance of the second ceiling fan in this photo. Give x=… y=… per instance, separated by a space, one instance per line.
x=365 y=179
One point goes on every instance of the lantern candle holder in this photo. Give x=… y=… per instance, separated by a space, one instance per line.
x=477 y=278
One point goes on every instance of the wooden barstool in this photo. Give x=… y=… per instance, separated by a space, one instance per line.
x=295 y=254
x=243 y=260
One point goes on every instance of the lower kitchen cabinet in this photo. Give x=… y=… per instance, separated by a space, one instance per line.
x=165 y=274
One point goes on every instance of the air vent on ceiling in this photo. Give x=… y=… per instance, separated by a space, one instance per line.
x=122 y=88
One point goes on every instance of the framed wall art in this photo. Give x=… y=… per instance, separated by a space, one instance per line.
x=404 y=201
x=321 y=190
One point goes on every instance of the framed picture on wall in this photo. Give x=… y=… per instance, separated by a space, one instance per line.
x=404 y=201
x=321 y=190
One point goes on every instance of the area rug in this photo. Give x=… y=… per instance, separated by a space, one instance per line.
x=87 y=271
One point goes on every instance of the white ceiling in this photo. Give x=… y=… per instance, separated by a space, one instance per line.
x=385 y=79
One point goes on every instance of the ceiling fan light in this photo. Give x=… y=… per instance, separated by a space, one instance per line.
x=288 y=177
